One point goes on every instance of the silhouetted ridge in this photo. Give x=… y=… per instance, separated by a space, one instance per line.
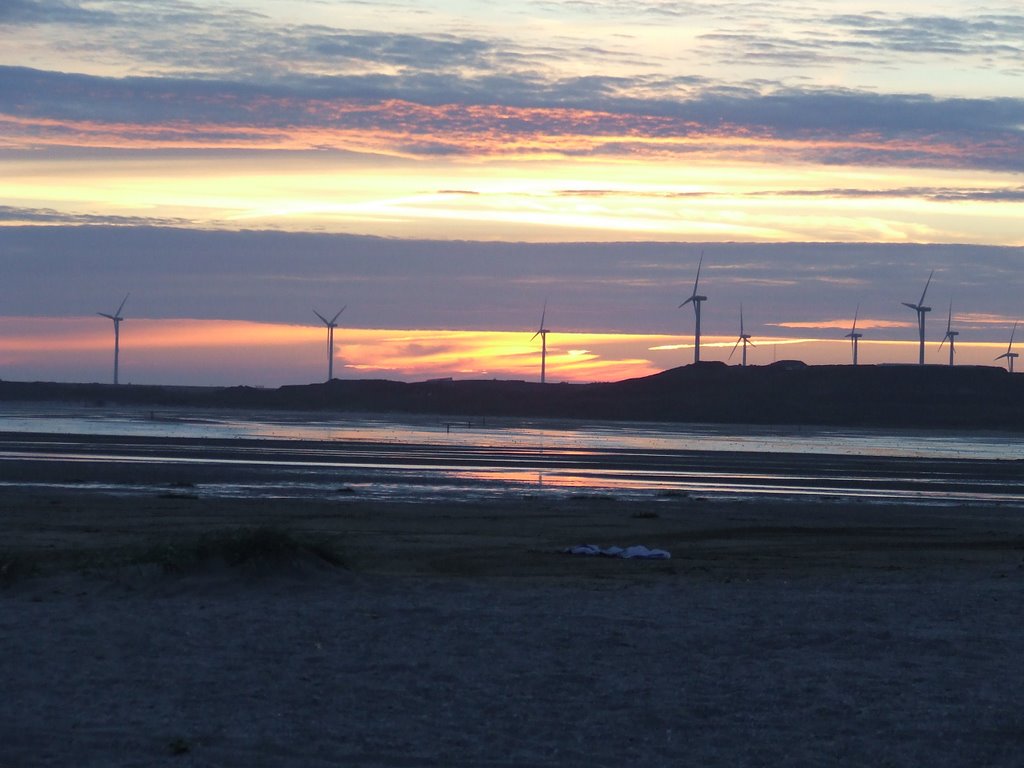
x=787 y=392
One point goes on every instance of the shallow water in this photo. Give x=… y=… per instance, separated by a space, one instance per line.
x=505 y=433
x=301 y=455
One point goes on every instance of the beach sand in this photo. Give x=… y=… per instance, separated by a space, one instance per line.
x=779 y=634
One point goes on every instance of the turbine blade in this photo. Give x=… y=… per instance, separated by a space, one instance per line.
x=321 y=317
x=1012 y=334
x=686 y=302
x=921 y=302
x=543 y=314
x=122 y=304
x=699 y=263
x=855 y=313
x=912 y=306
x=751 y=343
x=339 y=314
x=104 y=314
x=734 y=347
x=949 y=319
x=741 y=321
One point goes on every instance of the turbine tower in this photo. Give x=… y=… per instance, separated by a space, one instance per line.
x=696 y=299
x=744 y=338
x=116 y=317
x=1009 y=354
x=331 y=325
x=920 y=308
x=853 y=335
x=543 y=333
x=950 y=335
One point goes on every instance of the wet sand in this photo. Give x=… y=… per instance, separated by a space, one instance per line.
x=458 y=634
x=505 y=466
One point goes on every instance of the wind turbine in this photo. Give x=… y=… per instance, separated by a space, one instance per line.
x=744 y=338
x=950 y=335
x=331 y=325
x=695 y=299
x=920 y=308
x=116 y=317
x=543 y=333
x=853 y=335
x=1008 y=354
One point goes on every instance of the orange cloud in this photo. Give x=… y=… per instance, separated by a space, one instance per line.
x=981 y=318
x=49 y=334
x=407 y=129
x=846 y=324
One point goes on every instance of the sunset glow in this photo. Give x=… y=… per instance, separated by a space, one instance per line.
x=233 y=352
x=168 y=159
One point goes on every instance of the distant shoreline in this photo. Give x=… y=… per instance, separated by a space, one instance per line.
x=788 y=392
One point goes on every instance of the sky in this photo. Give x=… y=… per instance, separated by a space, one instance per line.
x=443 y=169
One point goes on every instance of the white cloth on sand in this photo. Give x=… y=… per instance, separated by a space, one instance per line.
x=626 y=553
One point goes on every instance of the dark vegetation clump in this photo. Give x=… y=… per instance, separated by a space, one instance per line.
x=645 y=514
x=241 y=548
x=16 y=566
x=179 y=746
x=256 y=552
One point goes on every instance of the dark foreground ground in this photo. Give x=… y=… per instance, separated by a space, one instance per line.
x=457 y=634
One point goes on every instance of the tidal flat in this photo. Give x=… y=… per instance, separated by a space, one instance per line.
x=445 y=633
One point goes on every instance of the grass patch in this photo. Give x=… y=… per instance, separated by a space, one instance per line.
x=179 y=746
x=240 y=548
x=256 y=551
x=645 y=514
x=15 y=566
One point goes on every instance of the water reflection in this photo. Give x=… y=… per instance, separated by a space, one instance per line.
x=285 y=455
x=507 y=434
x=667 y=485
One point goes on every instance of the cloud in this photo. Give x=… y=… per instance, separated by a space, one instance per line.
x=589 y=287
x=221 y=41
x=200 y=75
x=797 y=38
x=808 y=40
x=845 y=324
x=838 y=127
x=598 y=92
x=20 y=215
x=171 y=39
x=55 y=12
x=985 y=319
x=937 y=194
x=1012 y=195
x=996 y=36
